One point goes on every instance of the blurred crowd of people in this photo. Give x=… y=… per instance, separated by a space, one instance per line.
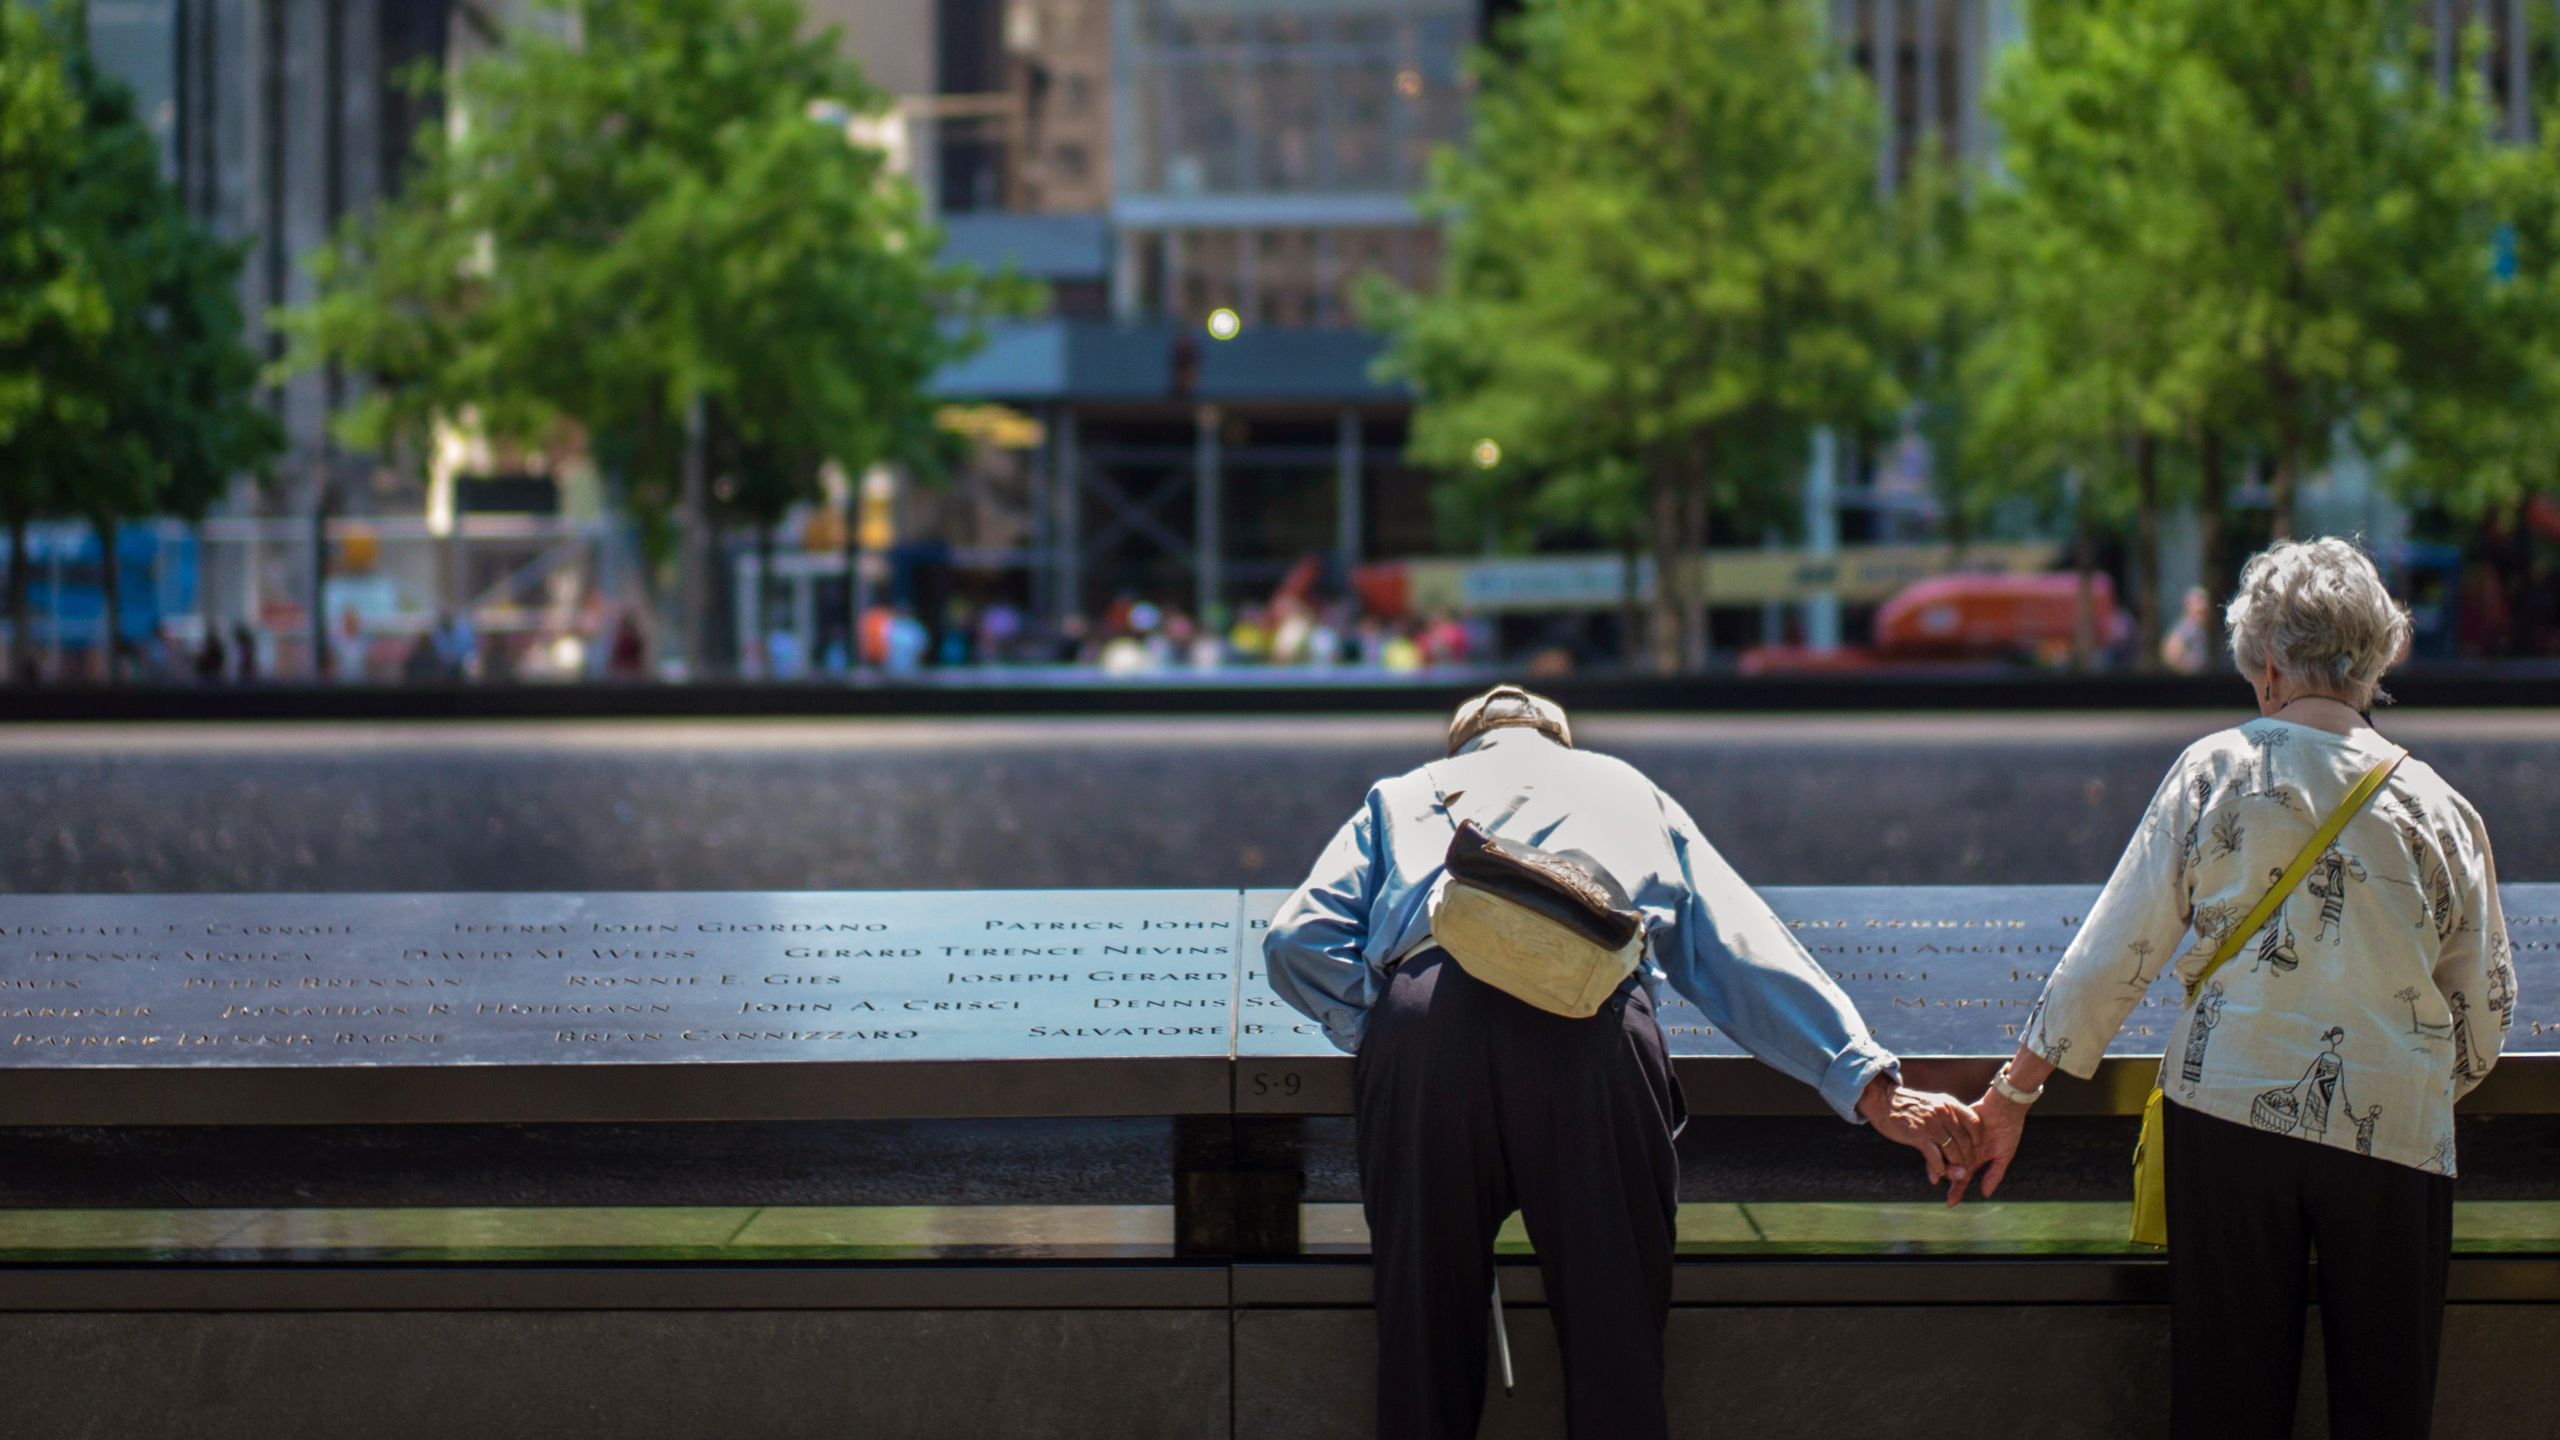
x=1136 y=637
x=355 y=651
x=1133 y=636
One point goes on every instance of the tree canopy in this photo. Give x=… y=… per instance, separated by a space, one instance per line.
x=639 y=208
x=124 y=387
x=52 y=301
x=2228 y=239
x=1667 y=262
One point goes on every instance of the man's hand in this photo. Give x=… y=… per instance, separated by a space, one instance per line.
x=2004 y=1123
x=1941 y=1127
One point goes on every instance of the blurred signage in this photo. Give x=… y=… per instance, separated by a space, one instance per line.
x=878 y=530
x=1000 y=427
x=376 y=598
x=359 y=549
x=1563 y=582
x=878 y=527
x=1859 y=574
x=506 y=493
x=824 y=531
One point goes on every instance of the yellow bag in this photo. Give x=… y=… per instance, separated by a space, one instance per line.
x=2151 y=1178
x=1553 y=930
x=1532 y=956
x=2151 y=1151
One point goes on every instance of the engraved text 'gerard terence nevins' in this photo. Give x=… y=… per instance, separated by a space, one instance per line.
x=323 y=980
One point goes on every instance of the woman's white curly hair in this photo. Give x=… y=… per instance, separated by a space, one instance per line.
x=2319 y=611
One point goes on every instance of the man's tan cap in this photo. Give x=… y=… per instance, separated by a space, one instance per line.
x=1505 y=705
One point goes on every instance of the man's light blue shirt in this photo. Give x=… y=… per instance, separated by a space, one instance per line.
x=1710 y=937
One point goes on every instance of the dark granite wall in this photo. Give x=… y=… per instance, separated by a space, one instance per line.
x=2053 y=1373
x=633 y=1375
x=1178 y=802
x=1779 y=1373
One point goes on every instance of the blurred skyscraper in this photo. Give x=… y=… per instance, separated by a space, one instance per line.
x=1155 y=162
x=276 y=118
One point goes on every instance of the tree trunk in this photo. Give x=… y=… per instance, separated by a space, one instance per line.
x=2212 y=574
x=1697 y=629
x=2280 y=488
x=107 y=587
x=22 y=650
x=2146 y=551
x=1670 y=575
x=854 y=598
x=1959 y=522
x=323 y=664
x=719 y=607
x=1630 y=605
x=2286 y=391
x=757 y=628
x=2084 y=565
x=693 y=545
x=205 y=589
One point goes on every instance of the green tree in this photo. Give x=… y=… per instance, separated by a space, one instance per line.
x=178 y=387
x=1666 y=264
x=2339 y=203
x=2231 y=236
x=648 y=233
x=2075 y=262
x=53 y=307
x=2485 y=431
x=148 y=402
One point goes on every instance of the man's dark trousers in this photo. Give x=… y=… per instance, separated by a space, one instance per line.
x=1471 y=1104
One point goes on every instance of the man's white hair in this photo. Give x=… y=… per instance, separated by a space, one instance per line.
x=2317 y=609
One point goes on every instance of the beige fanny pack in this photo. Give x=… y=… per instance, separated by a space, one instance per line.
x=1551 y=930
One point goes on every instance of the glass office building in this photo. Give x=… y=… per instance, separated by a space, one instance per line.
x=1269 y=153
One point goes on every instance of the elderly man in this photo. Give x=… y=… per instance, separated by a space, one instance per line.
x=1472 y=1102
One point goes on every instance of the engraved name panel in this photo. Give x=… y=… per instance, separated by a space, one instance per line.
x=1936 y=970
x=532 y=979
x=536 y=979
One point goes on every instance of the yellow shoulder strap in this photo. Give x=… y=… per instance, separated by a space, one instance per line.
x=2312 y=850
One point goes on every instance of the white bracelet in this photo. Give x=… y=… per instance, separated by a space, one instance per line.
x=2000 y=1086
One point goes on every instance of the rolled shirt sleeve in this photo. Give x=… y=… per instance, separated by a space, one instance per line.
x=2132 y=932
x=1724 y=948
x=1315 y=949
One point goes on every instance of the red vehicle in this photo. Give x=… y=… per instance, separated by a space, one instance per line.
x=1965 y=620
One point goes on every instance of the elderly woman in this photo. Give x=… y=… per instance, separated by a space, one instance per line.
x=2310 y=1086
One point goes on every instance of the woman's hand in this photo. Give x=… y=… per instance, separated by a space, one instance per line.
x=2004 y=1124
x=2004 y=1121
x=1941 y=1127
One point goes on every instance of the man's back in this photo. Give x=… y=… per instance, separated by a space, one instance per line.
x=1366 y=903
x=1522 y=787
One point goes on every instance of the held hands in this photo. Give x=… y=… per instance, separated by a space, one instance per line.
x=2004 y=1123
x=1945 y=1130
